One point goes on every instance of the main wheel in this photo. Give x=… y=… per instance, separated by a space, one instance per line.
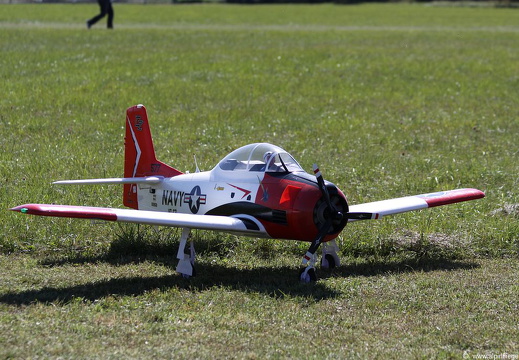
x=328 y=262
x=307 y=276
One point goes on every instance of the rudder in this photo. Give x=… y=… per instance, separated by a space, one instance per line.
x=139 y=154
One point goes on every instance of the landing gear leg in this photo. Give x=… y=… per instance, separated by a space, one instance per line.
x=307 y=274
x=186 y=262
x=330 y=259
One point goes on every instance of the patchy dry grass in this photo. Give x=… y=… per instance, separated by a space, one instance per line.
x=507 y=210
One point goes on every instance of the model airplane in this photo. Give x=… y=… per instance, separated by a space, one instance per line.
x=258 y=190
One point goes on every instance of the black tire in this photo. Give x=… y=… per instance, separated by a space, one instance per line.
x=331 y=261
x=311 y=276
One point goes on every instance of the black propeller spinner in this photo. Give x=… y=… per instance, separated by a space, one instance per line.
x=330 y=210
x=331 y=213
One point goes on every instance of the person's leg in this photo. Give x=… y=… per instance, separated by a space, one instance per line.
x=110 y=12
x=102 y=6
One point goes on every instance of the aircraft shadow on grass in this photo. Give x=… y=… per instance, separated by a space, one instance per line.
x=277 y=282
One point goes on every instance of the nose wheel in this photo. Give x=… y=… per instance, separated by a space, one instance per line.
x=329 y=215
x=307 y=275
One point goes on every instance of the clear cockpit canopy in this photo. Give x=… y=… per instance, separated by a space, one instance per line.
x=261 y=157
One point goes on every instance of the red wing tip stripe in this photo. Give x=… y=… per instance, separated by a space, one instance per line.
x=67 y=211
x=452 y=197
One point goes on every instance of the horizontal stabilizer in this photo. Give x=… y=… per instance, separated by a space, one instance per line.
x=130 y=180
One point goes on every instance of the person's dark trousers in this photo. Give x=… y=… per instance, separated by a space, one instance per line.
x=106 y=9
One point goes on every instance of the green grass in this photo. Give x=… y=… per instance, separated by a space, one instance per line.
x=390 y=100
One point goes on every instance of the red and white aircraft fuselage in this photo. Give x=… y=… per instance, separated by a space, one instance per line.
x=257 y=190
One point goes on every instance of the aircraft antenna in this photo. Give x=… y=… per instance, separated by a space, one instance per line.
x=196 y=165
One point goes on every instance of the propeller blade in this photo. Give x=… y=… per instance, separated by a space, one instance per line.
x=329 y=215
x=334 y=213
x=322 y=187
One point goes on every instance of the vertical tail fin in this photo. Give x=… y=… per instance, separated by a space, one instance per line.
x=139 y=154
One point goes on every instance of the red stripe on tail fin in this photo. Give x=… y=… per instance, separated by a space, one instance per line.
x=139 y=153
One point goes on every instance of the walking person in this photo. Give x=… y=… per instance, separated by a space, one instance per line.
x=106 y=9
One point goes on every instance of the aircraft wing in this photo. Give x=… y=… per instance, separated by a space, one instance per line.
x=416 y=202
x=240 y=225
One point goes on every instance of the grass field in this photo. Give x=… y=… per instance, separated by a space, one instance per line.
x=390 y=100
